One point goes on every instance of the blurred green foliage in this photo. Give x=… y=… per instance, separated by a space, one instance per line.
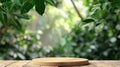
x=15 y=41
x=96 y=37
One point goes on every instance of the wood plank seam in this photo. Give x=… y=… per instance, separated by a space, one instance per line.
x=11 y=63
x=18 y=64
x=26 y=64
x=93 y=64
x=7 y=62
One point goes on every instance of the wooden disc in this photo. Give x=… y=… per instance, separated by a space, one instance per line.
x=60 y=61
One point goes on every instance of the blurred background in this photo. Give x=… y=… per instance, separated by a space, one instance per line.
x=74 y=28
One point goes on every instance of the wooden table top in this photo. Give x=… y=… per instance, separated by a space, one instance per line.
x=27 y=63
x=60 y=61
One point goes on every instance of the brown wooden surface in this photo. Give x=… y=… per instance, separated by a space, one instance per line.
x=93 y=63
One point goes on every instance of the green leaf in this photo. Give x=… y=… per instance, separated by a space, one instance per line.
x=51 y=2
x=86 y=2
x=40 y=6
x=27 y=6
x=3 y=18
x=18 y=2
x=4 y=1
x=21 y=1
x=16 y=24
x=89 y=20
x=25 y=16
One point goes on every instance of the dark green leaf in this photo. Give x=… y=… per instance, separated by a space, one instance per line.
x=27 y=6
x=4 y=1
x=3 y=9
x=21 y=1
x=7 y=6
x=16 y=24
x=89 y=20
x=3 y=18
x=51 y=2
x=40 y=6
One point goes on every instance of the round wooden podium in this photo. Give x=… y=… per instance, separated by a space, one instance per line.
x=60 y=62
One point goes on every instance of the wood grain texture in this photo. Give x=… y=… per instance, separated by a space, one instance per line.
x=93 y=63
x=18 y=64
x=31 y=65
x=60 y=61
x=6 y=63
x=103 y=63
x=108 y=63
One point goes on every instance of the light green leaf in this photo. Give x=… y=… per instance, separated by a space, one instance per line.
x=51 y=2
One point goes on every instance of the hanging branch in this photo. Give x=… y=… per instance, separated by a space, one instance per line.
x=77 y=11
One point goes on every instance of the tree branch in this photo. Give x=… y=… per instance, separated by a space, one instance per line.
x=4 y=29
x=77 y=11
